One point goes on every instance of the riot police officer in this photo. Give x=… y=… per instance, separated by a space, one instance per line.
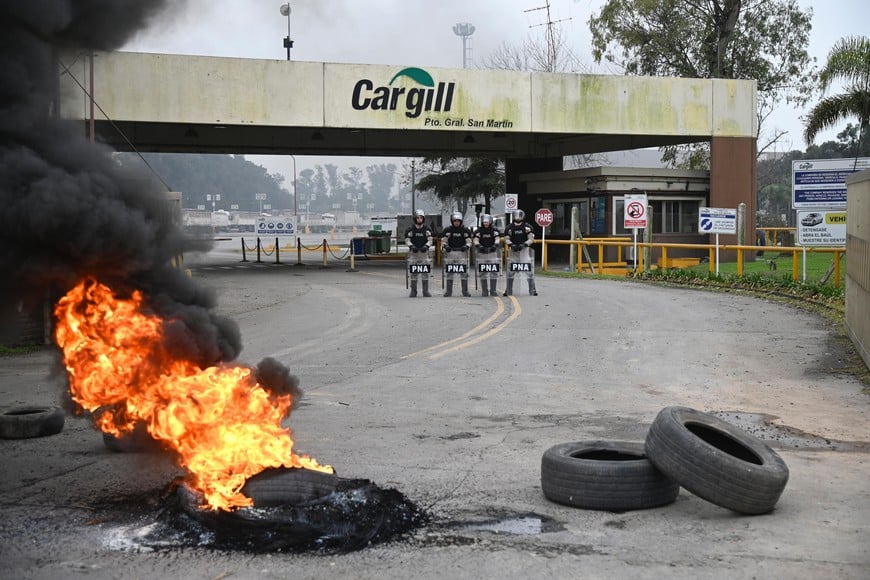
x=486 y=242
x=419 y=239
x=456 y=244
x=520 y=236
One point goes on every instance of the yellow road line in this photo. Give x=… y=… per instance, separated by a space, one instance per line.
x=478 y=328
x=517 y=310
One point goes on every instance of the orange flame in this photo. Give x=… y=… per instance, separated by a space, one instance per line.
x=223 y=425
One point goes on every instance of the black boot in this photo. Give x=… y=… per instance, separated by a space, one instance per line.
x=464 y=284
x=413 y=289
x=509 y=287
x=484 y=284
x=532 y=291
x=492 y=290
x=426 y=288
x=449 y=292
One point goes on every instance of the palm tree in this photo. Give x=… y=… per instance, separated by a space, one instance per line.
x=849 y=62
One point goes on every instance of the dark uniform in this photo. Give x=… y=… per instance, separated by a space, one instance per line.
x=487 y=239
x=520 y=236
x=456 y=240
x=419 y=239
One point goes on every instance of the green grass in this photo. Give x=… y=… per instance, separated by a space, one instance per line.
x=817 y=266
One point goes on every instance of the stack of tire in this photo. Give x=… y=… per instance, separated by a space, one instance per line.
x=683 y=448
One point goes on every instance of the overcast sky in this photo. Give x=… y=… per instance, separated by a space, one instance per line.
x=420 y=33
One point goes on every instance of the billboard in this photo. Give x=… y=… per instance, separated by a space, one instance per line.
x=821 y=183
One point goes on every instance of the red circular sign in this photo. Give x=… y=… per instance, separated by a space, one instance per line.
x=544 y=217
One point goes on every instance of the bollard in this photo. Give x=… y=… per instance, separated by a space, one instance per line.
x=352 y=256
x=324 y=253
x=244 y=259
x=258 y=250
x=277 y=251
x=299 y=252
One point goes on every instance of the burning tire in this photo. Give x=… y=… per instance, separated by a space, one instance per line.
x=275 y=487
x=27 y=422
x=301 y=509
x=604 y=475
x=716 y=461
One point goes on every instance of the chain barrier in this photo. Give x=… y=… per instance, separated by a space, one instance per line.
x=268 y=253
x=260 y=248
x=311 y=248
x=342 y=257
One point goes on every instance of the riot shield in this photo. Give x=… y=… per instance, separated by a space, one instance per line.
x=418 y=268
x=488 y=268
x=520 y=265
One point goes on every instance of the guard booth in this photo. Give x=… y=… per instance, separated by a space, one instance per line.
x=599 y=193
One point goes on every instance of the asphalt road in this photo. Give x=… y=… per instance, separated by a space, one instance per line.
x=453 y=402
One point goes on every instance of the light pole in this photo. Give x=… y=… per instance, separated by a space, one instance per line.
x=413 y=183
x=288 y=42
x=295 y=194
x=464 y=30
x=260 y=197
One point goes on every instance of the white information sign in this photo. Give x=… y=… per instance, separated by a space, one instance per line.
x=821 y=183
x=716 y=220
x=821 y=228
x=635 y=211
x=278 y=225
x=511 y=202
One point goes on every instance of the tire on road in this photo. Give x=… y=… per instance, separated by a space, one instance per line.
x=27 y=422
x=716 y=461
x=604 y=475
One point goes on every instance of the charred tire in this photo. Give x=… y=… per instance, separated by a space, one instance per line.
x=27 y=422
x=275 y=487
x=604 y=475
x=716 y=461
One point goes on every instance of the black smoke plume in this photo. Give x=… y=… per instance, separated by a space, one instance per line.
x=68 y=211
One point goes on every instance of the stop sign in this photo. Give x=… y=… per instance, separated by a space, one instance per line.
x=544 y=217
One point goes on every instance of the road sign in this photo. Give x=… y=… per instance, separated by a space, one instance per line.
x=635 y=211
x=511 y=202
x=715 y=220
x=821 y=228
x=282 y=226
x=821 y=183
x=259 y=196
x=544 y=217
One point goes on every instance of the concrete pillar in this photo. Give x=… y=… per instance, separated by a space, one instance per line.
x=733 y=171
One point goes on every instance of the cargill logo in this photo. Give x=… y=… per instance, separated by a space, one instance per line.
x=414 y=101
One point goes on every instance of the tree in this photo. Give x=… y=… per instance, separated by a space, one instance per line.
x=849 y=62
x=452 y=182
x=198 y=175
x=764 y=40
x=552 y=55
